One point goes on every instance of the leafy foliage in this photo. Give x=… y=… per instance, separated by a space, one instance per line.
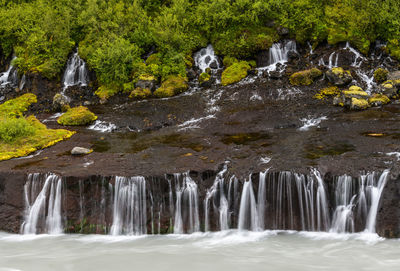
x=114 y=36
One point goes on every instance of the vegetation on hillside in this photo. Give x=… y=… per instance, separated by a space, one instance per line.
x=115 y=36
x=20 y=135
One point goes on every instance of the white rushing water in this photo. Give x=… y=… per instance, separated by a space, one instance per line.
x=9 y=77
x=76 y=73
x=268 y=200
x=206 y=58
x=311 y=122
x=103 y=126
x=129 y=215
x=43 y=205
x=279 y=54
x=227 y=250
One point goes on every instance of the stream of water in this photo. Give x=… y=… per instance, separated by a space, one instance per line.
x=226 y=250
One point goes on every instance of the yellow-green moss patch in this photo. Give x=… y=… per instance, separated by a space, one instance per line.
x=204 y=77
x=105 y=92
x=359 y=104
x=171 y=87
x=77 y=116
x=327 y=92
x=17 y=106
x=354 y=90
x=19 y=135
x=140 y=93
x=305 y=78
x=379 y=99
x=234 y=73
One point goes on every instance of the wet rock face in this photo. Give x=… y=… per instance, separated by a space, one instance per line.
x=388 y=218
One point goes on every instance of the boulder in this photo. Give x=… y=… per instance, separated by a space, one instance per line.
x=338 y=76
x=80 y=151
x=149 y=83
x=378 y=100
x=60 y=102
x=358 y=104
x=305 y=78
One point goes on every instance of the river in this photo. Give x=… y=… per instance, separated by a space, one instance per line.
x=226 y=250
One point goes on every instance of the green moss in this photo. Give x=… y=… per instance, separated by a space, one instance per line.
x=174 y=85
x=336 y=35
x=339 y=71
x=19 y=135
x=153 y=59
x=327 y=92
x=235 y=73
x=105 y=92
x=229 y=61
x=379 y=99
x=77 y=116
x=17 y=106
x=359 y=103
x=305 y=78
x=355 y=91
x=147 y=77
x=394 y=48
x=204 y=77
x=139 y=93
x=380 y=75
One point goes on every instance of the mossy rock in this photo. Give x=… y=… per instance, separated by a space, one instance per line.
x=359 y=104
x=229 y=61
x=327 y=92
x=204 y=77
x=378 y=100
x=147 y=77
x=380 y=75
x=174 y=85
x=235 y=73
x=338 y=76
x=305 y=78
x=140 y=93
x=355 y=91
x=77 y=116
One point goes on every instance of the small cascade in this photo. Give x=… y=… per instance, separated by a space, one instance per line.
x=186 y=207
x=76 y=73
x=43 y=205
x=9 y=77
x=343 y=219
x=368 y=79
x=279 y=54
x=322 y=204
x=206 y=58
x=221 y=206
x=22 y=83
x=358 y=58
x=248 y=214
x=374 y=191
x=130 y=212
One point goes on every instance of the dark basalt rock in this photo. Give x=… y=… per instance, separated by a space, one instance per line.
x=388 y=217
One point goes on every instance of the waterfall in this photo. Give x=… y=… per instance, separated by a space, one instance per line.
x=186 y=207
x=343 y=219
x=76 y=72
x=375 y=192
x=42 y=205
x=130 y=213
x=279 y=54
x=206 y=58
x=248 y=215
x=322 y=203
x=9 y=77
x=358 y=58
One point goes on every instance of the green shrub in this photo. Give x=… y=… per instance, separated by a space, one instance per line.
x=12 y=129
x=380 y=75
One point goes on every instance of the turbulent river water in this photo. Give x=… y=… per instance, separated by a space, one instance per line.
x=226 y=250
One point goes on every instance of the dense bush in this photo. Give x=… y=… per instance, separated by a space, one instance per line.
x=12 y=129
x=114 y=36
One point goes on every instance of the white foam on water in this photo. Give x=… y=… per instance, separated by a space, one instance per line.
x=194 y=123
x=265 y=160
x=103 y=126
x=311 y=122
